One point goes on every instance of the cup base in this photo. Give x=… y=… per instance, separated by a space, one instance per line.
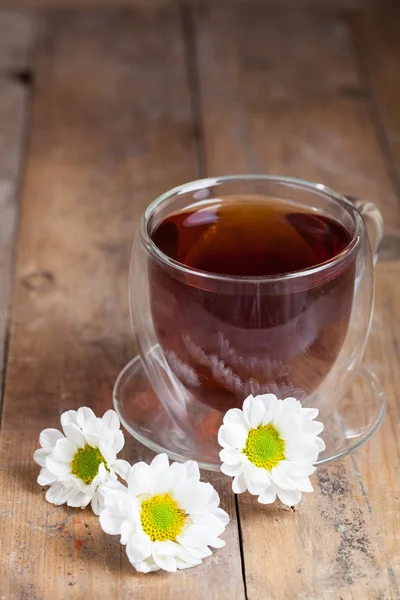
x=357 y=418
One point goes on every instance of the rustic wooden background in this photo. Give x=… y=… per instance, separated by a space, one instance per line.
x=100 y=111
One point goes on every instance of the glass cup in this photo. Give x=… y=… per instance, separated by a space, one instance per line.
x=206 y=341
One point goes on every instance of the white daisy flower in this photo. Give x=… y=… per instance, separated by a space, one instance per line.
x=76 y=463
x=166 y=517
x=270 y=448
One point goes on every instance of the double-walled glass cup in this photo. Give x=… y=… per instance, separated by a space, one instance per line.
x=206 y=340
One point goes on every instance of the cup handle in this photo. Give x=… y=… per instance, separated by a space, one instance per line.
x=373 y=221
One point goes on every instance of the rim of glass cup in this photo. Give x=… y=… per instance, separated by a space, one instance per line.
x=199 y=184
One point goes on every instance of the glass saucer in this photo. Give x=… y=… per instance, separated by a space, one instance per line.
x=358 y=417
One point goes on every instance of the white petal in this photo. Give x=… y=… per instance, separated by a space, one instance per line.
x=48 y=438
x=255 y=487
x=320 y=444
x=271 y=405
x=232 y=436
x=111 y=521
x=246 y=408
x=188 y=562
x=198 y=535
x=111 y=420
x=187 y=558
x=230 y=457
x=106 y=488
x=235 y=416
x=102 y=476
x=210 y=525
x=121 y=467
x=76 y=499
x=254 y=411
x=40 y=456
x=268 y=496
x=78 y=484
x=291 y=404
x=192 y=469
x=232 y=470
x=138 y=547
x=107 y=453
x=213 y=502
x=313 y=427
x=146 y=566
x=301 y=483
x=198 y=552
x=290 y=498
x=119 y=441
x=97 y=503
x=95 y=432
x=164 y=482
x=217 y=543
x=288 y=424
x=64 y=451
x=74 y=433
x=281 y=473
x=84 y=414
x=160 y=463
x=167 y=563
x=141 y=479
x=239 y=484
x=180 y=473
x=110 y=486
x=45 y=477
x=222 y=516
x=269 y=400
x=57 y=494
x=58 y=468
x=164 y=554
x=193 y=499
x=309 y=456
x=296 y=448
x=120 y=504
x=309 y=413
x=167 y=548
x=68 y=417
x=127 y=531
x=298 y=471
x=258 y=475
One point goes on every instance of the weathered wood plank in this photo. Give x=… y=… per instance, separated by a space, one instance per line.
x=111 y=128
x=16 y=33
x=378 y=51
x=281 y=93
x=348 y=5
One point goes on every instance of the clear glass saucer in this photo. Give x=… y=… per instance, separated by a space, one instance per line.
x=358 y=417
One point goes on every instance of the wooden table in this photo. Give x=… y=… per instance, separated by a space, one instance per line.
x=100 y=111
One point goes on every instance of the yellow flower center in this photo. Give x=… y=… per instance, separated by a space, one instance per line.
x=86 y=463
x=264 y=447
x=161 y=518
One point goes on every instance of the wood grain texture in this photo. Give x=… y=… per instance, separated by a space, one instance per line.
x=280 y=93
x=17 y=36
x=377 y=42
x=347 y=5
x=16 y=33
x=111 y=128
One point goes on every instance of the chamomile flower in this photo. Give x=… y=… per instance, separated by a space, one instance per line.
x=270 y=448
x=76 y=462
x=166 y=516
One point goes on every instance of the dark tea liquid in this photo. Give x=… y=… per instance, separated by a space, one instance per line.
x=250 y=238
x=226 y=341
